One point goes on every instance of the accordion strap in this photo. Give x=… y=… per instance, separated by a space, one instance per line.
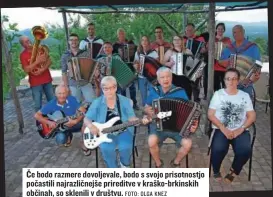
x=247 y=46
x=156 y=88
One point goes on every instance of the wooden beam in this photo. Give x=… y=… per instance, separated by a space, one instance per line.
x=9 y=71
x=211 y=53
x=66 y=29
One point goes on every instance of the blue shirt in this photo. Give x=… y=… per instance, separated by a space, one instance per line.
x=252 y=51
x=69 y=108
x=98 y=110
x=176 y=94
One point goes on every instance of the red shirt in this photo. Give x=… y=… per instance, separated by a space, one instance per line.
x=43 y=78
x=217 y=66
x=155 y=45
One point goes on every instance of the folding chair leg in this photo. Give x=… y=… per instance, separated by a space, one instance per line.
x=136 y=151
x=97 y=158
x=209 y=165
x=250 y=166
x=187 y=161
x=150 y=160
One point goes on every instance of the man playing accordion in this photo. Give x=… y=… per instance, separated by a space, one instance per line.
x=243 y=47
x=166 y=90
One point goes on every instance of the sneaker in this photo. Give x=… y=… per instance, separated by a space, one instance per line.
x=161 y=165
x=173 y=165
x=136 y=107
x=123 y=166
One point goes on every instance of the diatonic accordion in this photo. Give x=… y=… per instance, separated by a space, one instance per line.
x=245 y=65
x=184 y=113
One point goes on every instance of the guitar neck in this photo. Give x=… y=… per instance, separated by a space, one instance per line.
x=64 y=120
x=123 y=126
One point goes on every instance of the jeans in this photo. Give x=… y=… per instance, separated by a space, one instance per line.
x=124 y=143
x=241 y=146
x=132 y=89
x=144 y=87
x=86 y=91
x=37 y=94
x=61 y=136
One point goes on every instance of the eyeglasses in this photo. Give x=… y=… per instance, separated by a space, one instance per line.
x=158 y=32
x=108 y=88
x=231 y=79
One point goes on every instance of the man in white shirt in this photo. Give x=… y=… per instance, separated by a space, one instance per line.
x=92 y=38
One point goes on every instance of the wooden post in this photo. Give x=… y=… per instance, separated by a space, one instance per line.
x=65 y=28
x=9 y=71
x=211 y=53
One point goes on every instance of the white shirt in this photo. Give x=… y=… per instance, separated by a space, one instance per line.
x=231 y=109
x=83 y=43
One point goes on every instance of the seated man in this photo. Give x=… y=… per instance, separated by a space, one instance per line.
x=69 y=106
x=166 y=90
x=106 y=107
x=231 y=113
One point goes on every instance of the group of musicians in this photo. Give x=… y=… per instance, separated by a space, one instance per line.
x=230 y=112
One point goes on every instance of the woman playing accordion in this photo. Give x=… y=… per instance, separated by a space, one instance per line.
x=144 y=49
x=177 y=58
x=220 y=43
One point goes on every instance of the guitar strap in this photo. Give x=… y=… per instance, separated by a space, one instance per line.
x=118 y=104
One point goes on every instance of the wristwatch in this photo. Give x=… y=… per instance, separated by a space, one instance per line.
x=243 y=126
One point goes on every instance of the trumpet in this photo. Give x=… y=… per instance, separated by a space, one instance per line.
x=39 y=34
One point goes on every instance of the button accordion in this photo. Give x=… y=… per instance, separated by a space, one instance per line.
x=127 y=52
x=245 y=65
x=82 y=68
x=149 y=67
x=194 y=46
x=122 y=72
x=95 y=49
x=184 y=113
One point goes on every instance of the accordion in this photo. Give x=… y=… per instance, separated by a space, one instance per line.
x=95 y=49
x=194 y=46
x=149 y=67
x=245 y=65
x=196 y=71
x=219 y=47
x=127 y=52
x=161 y=50
x=82 y=68
x=122 y=72
x=184 y=113
x=182 y=63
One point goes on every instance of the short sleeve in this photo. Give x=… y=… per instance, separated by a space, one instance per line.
x=249 y=105
x=151 y=97
x=214 y=102
x=154 y=55
x=47 y=109
x=82 y=45
x=256 y=53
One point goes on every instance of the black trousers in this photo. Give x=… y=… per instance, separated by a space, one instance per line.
x=219 y=80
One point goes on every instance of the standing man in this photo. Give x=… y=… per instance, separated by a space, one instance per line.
x=244 y=47
x=121 y=41
x=159 y=39
x=92 y=38
x=40 y=81
x=78 y=89
x=190 y=34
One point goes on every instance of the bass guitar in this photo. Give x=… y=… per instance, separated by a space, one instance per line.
x=91 y=141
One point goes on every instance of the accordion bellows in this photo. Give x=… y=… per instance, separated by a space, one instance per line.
x=183 y=114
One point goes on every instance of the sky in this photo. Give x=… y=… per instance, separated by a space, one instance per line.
x=29 y=17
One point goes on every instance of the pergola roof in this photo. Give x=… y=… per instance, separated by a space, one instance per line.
x=161 y=8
